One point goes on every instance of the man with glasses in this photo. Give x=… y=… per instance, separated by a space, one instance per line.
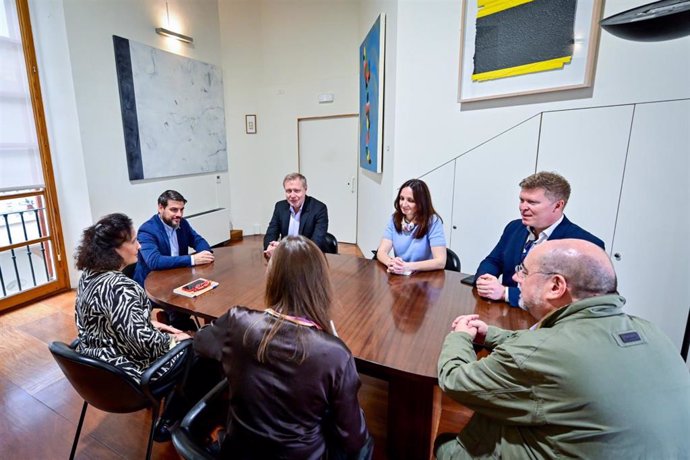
x=589 y=381
x=543 y=197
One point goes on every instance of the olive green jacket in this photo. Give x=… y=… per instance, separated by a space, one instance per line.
x=590 y=382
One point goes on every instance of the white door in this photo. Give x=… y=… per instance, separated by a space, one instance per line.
x=328 y=159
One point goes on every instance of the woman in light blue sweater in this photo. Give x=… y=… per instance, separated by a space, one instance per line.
x=414 y=232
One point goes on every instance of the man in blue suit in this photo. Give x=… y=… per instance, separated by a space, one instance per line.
x=297 y=214
x=542 y=200
x=165 y=240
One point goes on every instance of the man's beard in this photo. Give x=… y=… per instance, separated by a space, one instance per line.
x=521 y=304
x=171 y=223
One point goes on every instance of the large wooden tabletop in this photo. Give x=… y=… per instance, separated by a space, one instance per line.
x=394 y=325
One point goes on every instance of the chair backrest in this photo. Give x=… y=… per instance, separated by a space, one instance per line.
x=331 y=244
x=452 y=261
x=100 y=384
x=129 y=270
x=196 y=426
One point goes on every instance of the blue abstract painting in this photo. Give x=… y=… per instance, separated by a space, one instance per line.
x=371 y=84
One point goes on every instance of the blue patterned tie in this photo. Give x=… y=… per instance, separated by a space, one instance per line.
x=525 y=250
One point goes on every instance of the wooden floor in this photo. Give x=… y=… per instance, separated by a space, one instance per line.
x=40 y=410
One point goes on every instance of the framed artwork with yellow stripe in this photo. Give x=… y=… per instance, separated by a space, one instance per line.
x=517 y=47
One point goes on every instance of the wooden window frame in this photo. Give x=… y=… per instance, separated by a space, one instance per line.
x=61 y=282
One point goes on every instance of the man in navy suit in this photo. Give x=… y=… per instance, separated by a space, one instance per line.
x=542 y=200
x=165 y=240
x=298 y=214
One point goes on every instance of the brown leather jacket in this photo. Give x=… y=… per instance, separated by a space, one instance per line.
x=282 y=408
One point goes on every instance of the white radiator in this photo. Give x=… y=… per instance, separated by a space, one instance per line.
x=213 y=225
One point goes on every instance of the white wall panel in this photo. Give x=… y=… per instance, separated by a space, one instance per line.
x=588 y=148
x=652 y=229
x=440 y=184
x=486 y=191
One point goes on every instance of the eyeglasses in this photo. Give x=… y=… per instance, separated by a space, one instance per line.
x=521 y=272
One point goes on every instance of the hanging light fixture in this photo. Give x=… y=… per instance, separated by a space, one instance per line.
x=171 y=33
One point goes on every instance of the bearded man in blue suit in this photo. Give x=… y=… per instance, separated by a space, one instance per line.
x=543 y=197
x=165 y=240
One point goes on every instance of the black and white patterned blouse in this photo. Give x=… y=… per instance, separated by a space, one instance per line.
x=114 y=324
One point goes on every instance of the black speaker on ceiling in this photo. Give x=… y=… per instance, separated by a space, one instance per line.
x=663 y=20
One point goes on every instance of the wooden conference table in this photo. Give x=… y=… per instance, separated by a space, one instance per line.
x=394 y=325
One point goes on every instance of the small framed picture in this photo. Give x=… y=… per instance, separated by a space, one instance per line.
x=250 y=124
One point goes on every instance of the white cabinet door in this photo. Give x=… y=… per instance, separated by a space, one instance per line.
x=654 y=218
x=588 y=148
x=440 y=182
x=487 y=191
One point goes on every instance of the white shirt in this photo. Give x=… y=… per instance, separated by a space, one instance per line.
x=544 y=235
x=293 y=228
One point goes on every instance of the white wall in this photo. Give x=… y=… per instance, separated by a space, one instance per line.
x=425 y=126
x=55 y=72
x=90 y=27
x=75 y=50
x=432 y=128
x=278 y=56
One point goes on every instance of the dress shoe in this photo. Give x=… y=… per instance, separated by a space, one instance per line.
x=163 y=430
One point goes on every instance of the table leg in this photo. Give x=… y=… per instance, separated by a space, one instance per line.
x=413 y=414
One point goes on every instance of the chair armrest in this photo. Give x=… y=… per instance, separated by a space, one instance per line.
x=179 y=370
x=199 y=407
x=186 y=441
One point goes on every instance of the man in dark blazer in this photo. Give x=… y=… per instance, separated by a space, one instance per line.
x=165 y=240
x=298 y=214
x=542 y=200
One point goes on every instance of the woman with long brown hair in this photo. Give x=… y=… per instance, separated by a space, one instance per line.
x=293 y=383
x=414 y=233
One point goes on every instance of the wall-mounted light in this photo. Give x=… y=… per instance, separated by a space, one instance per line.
x=662 y=20
x=171 y=33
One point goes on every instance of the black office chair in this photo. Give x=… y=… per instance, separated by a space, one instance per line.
x=129 y=270
x=331 y=244
x=452 y=261
x=192 y=438
x=110 y=389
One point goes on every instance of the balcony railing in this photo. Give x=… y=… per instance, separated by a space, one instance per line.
x=25 y=256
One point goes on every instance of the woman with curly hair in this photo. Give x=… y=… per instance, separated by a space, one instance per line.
x=112 y=311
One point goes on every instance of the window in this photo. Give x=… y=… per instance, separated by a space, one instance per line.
x=32 y=264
